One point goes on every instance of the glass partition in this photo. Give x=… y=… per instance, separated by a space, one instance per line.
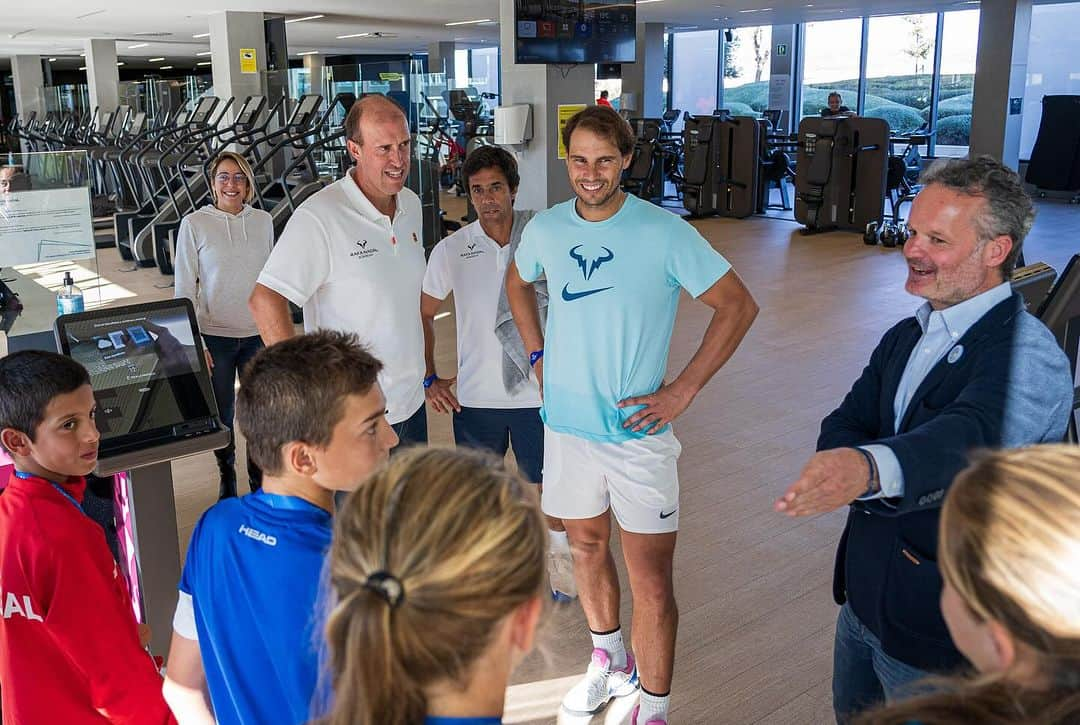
x=959 y=41
x=46 y=233
x=900 y=70
x=830 y=63
x=746 y=70
x=694 y=58
x=1053 y=64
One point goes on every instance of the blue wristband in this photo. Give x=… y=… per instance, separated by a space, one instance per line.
x=534 y=356
x=429 y=380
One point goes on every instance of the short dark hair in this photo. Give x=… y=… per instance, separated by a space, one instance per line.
x=605 y=123
x=366 y=105
x=603 y=94
x=29 y=380
x=1007 y=208
x=492 y=157
x=836 y=95
x=295 y=391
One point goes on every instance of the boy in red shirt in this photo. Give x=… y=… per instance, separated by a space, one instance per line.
x=69 y=643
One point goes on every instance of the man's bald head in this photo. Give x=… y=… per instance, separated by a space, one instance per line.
x=373 y=107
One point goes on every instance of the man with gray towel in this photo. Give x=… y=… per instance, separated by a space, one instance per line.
x=497 y=403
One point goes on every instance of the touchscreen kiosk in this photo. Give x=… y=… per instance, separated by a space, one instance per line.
x=149 y=374
x=155 y=404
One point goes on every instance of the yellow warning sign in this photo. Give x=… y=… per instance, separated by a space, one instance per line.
x=248 y=63
x=566 y=112
x=390 y=77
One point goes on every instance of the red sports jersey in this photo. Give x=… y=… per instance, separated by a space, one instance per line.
x=69 y=644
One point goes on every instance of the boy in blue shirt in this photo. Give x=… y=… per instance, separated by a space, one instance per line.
x=243 y=647
x=614 y=266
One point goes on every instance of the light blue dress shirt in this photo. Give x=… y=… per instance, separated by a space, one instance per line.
x=941 y=329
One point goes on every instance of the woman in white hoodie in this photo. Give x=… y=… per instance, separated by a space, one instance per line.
x=220 y=250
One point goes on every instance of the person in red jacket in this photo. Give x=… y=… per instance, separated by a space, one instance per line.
x=603 y=99
x=70 y=649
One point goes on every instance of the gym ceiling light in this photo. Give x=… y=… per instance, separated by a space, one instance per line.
x=300 y=20
x=469 y=22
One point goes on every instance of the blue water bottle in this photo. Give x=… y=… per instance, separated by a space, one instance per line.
x=70 y=297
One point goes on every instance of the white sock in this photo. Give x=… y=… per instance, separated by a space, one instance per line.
x=652 y=707
x=560 y=544
x=611 y=643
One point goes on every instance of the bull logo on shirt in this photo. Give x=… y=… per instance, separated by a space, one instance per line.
x=588 y=263
x=363 y=252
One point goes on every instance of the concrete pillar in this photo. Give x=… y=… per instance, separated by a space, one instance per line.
x=645 y=78
x=782 y=72
x=441 y=60
x=1000 y=79
x=544 y=87
x=29 y=85
x=315 y=65
x=102 y=74
x=230 y=34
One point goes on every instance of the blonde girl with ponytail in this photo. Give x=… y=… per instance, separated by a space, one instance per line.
x=1009 y=549
x=437 y=569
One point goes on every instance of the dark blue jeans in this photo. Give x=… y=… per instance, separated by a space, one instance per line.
x=496 y=429
x=230 y=355
x=863 y=675
x=413 y=430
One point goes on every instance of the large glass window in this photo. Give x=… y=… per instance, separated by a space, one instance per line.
x=1053 y=64
x=831 y=63
x=899 y=70
x=461 y=68
x=694 y=58
x=746 y=70
x=959 y=42
x=485 y=69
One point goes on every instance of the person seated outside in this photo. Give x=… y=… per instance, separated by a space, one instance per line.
x=836 y=109
x=1009 y=539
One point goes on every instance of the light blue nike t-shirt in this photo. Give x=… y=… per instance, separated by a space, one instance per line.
x=614 y=289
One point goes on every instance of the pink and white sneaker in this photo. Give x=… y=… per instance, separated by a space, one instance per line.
x=634 y=721
x=600 y=684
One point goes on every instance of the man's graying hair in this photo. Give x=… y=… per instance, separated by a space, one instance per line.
x=1007 y=208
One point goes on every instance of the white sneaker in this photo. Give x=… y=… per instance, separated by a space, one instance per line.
x=561 y=575
x=600 y=684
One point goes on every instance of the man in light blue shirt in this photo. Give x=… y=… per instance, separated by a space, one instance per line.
x=614 y=266
x=972 y=370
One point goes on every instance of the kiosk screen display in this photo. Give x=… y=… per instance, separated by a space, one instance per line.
x=147 y=369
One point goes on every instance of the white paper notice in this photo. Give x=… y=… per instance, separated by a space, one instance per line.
x=45 y=225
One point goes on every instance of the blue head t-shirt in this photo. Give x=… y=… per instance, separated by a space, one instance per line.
x=614 y=289
x=253 y=575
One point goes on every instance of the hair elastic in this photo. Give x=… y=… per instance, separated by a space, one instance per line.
x=387 y=586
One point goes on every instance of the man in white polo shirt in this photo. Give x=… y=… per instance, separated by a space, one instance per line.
x=353 y=257
x=497 y=403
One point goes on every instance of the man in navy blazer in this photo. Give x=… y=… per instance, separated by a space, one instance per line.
x=972 y=370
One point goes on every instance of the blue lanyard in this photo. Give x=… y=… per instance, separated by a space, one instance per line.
x=57 y=486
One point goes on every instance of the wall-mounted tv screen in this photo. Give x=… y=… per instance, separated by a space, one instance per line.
x=575 y=31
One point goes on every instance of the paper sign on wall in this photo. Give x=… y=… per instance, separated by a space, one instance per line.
x=566 y=112
x=248 y=63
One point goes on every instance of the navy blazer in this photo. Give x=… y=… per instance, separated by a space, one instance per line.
x=1010 y=387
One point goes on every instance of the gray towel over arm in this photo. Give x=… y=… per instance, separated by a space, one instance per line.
x=515 y=359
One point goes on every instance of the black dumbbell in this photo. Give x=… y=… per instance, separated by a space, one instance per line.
x=902 y=233
x=870 y=236
x=888 y=234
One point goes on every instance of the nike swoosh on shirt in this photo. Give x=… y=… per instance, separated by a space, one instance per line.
x=571 y=296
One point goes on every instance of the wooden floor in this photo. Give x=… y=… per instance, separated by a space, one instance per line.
x=753 y=587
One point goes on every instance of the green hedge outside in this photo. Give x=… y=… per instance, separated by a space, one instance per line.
x=885 y=97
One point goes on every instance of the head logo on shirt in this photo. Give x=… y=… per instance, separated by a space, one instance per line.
x=589 y=263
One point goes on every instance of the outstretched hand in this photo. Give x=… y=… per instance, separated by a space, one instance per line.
x=660 y=408
x=830 y=479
